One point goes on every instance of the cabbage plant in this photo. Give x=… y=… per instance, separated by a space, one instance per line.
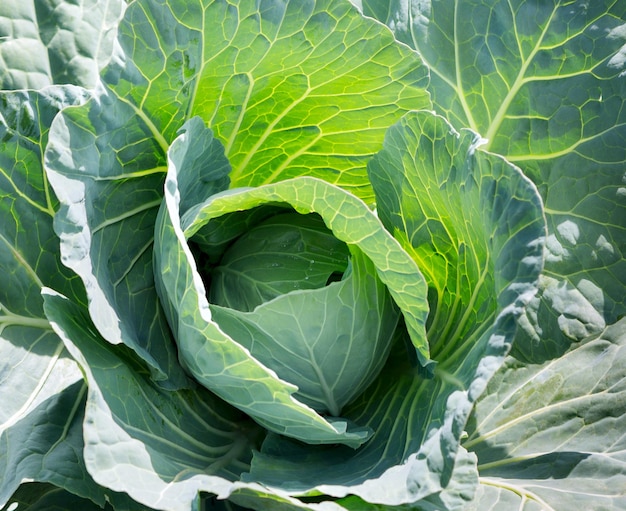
x=319 y=255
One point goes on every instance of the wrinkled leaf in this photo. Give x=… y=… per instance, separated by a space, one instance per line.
x=290 y=88
x=44 y=42
x=551 y=435
x=471 y=221
x=109 y=200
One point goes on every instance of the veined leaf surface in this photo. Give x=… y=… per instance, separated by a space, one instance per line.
x=290 y=88
x=543 y=83
x=551 y=436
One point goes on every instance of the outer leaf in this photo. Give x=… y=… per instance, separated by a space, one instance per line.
x=290 y=88
x=456 y=496
x=56 y=41
x=548 y=89
x=551 y=436
x=105 y=166
x=543 y=82
x=472 y=221
x=46 y=497
x=218 y=362
x=161 y=447
x=40 y=387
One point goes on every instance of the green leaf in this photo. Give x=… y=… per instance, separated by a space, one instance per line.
x=40 y=386
x=471 y=221
x=305 y=88
x=44 y=42
x=331 y=342
x=543 y=83
x=551 y=435
x=458 y=495
x=29 y=252
x=47 y=497
x=175 y=443
x=284 y=252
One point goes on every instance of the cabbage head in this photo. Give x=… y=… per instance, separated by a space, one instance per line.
x=285 y=284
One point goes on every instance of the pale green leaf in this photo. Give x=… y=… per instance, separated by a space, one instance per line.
x=283 y=253
x=44 y=42
x=551 y=436
x=331 y=342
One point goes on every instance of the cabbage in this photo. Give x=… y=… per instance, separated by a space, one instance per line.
x=312 y=255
